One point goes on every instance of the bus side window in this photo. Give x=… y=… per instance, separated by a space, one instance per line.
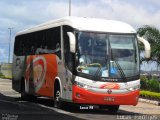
x=18 y=46
x=53 y=39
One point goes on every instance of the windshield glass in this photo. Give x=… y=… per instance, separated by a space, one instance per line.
x=124 y=55
x=105 y=55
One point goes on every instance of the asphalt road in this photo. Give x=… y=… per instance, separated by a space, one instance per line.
x=13 y=108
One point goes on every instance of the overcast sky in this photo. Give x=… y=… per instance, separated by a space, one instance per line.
x=21 y=14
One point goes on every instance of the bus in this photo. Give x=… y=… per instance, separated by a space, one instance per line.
x=86 y=61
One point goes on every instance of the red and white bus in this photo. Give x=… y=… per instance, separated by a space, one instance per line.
x=79 y=60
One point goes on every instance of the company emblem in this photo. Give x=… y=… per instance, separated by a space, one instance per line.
x=109 y=91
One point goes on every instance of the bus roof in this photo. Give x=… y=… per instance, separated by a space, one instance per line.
x=84 y=24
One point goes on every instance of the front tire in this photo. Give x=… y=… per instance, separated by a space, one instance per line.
x=57 y=99
x=113 y=108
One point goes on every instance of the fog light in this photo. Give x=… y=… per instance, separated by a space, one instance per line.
x=78 y=95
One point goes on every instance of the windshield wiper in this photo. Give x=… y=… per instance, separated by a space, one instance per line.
x=120 y=70
x=100 y=67
x=122 y=74
x=97 y=71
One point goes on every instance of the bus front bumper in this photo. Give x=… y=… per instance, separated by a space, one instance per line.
x=83 y=96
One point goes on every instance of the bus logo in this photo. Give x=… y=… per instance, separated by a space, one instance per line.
x=109 y=91
x=110 y=86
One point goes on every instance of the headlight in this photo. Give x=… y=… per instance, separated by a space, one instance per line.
x=133 y=88
x=82 y=85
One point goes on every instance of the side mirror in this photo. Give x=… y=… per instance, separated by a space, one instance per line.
x=147 y=46
x=72 y=42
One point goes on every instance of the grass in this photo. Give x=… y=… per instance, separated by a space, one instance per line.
x=150 y=95
x=5 y=77
x=1 y=75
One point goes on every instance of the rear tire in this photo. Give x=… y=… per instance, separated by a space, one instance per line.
x=24 y=95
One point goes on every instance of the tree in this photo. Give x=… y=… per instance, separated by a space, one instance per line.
x=151 y=34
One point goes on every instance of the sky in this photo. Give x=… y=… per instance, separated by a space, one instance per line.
x=21 y=14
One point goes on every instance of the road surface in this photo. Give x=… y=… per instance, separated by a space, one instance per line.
x=13 y=108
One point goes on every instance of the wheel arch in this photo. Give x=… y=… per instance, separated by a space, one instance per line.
x=57 y=83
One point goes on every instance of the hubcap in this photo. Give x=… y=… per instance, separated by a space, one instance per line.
x=57 y=96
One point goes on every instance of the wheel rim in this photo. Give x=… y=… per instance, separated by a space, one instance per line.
x=57 y=99
x=57 y=96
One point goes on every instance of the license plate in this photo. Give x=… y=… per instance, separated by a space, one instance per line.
x=109 y=99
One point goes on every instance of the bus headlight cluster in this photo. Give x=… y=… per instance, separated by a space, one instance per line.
x=133 y=88
x=82 y=85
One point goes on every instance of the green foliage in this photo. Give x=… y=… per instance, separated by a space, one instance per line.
x=150 y=84
x=150 y=87
x=149 y=94
x=143 y=82
x=1 y=75
x=153 y=85
x=151 y=34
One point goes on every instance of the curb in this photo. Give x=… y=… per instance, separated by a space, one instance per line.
x=150 y=101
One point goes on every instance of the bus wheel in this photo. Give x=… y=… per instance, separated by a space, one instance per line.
x=57 y=99
x=113 y=108
x=23 y=94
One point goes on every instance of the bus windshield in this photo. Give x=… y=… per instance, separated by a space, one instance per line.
x=108 y=55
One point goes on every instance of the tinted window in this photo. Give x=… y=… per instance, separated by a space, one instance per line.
x=41 y=42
